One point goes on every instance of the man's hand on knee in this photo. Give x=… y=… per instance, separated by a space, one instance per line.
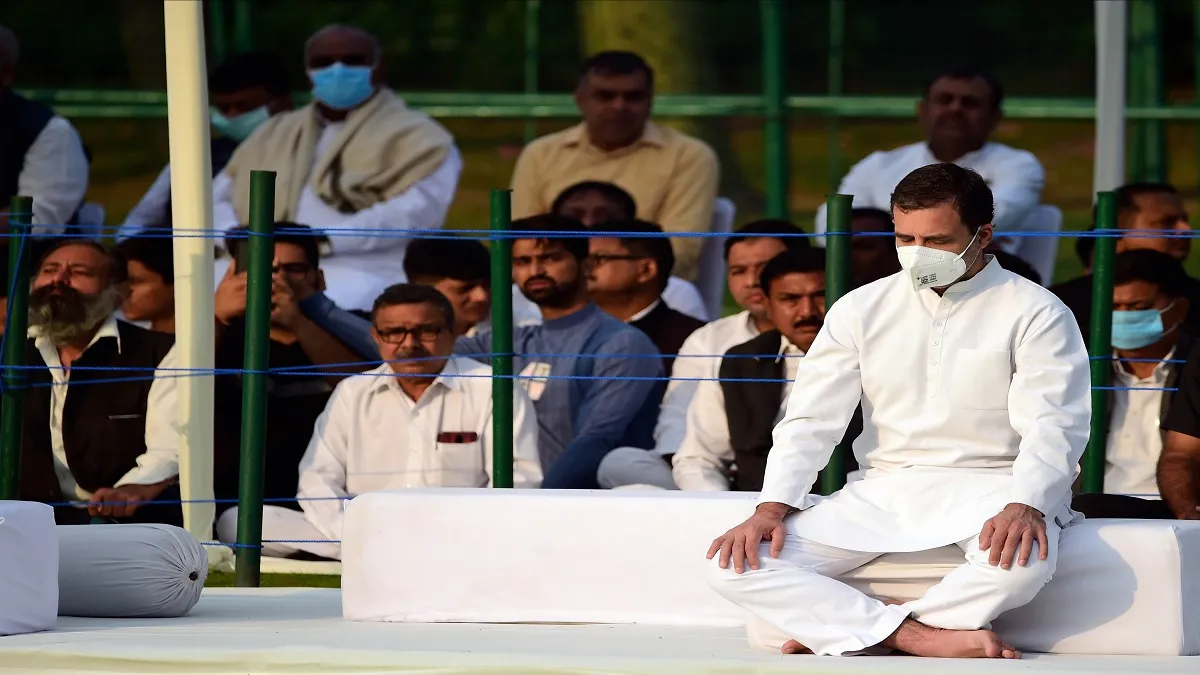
x=741 y=543
x=1011 y=533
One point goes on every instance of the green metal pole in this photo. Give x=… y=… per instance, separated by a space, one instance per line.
x=216 y=29
x=532 y=47
x=1148 y=144
x=16 y=324
x=260 y=252
x=837 y=284
x=243 y=37
x=1196 y=63
x=775 y=127
x=1100 y=341
x=836 y=58
x=502 y=340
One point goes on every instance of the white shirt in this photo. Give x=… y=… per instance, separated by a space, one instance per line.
x=55 y=174
x=163 y=429
x=1015 y=177
x=372 y=437
x=971 y=401
x=360 y=265
x=706 y=452
x=1134 y=437
x=699 y=359
x=151 y=210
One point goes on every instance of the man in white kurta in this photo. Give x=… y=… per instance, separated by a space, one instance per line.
x=422 y=419
x=975 y=397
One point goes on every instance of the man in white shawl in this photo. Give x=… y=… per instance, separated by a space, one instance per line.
x=975 y=395
x=356 y=163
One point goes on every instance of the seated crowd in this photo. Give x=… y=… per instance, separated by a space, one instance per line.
x=379 y=338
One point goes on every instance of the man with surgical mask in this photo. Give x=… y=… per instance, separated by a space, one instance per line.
x=975 y=395
x=1150 y=305
x=244 y=91
x=356 y=164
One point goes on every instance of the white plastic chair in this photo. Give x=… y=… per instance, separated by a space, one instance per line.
x=1040 y=252
x=710 y=280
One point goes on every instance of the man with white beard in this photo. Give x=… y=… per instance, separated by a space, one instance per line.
x=975 y=395
x=101 y=423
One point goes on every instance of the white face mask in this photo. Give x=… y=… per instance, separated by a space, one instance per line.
x=931 y=267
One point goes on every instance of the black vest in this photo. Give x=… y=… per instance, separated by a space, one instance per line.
x=751 y=407
x=21 y=120
x=103 y=425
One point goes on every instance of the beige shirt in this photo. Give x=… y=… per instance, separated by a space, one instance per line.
x=1134 y=438
x=672 y=177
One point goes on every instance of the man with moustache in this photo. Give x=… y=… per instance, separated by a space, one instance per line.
x=112 y=444
x=422 y=419
x=730 y=420
x=593 y=379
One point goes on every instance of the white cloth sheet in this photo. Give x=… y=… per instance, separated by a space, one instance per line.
x=28 y=568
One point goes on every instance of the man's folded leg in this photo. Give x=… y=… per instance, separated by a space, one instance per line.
x=796 y=594
x=285 y=533
x=975 y=593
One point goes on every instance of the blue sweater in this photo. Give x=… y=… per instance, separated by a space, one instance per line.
x=351 y=330
x=582 y=420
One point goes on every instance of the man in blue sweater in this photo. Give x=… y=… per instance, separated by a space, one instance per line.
x=595 y=381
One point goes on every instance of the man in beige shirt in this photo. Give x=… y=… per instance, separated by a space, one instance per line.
x=672 y=176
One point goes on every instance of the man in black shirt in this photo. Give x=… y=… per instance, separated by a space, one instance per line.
x=1179 y=464
x=298 y=387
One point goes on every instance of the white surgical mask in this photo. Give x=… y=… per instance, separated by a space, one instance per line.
x=931 y=267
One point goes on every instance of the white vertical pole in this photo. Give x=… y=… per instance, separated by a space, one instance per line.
x=191 y=210
x=1108 y=171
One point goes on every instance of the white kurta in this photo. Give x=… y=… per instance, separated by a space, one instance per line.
x=971 y=401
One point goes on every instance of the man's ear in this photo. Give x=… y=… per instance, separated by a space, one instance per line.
x=648 y=272
x=321 y=280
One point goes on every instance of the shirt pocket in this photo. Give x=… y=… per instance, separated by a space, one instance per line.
x=981 y=379
x=461 y=465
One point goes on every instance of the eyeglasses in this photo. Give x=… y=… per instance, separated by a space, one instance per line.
x=292 y=269
x=601 y=258
x=397 y=335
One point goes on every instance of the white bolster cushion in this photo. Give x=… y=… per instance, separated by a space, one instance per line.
x=134 y=570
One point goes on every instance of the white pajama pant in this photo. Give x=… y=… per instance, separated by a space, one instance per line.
x=292 y=527
x=798 y=595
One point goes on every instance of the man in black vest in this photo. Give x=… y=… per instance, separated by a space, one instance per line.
x=100 y=427
x=730 y=421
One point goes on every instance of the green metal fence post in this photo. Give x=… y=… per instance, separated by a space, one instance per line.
x=775 y=128
x=216 y=30
x=836 y=59
x=16 y=323
x=532 y=47
x=243 y=36
x=260 y=252
x=837 y=284
x=502 y=340
x=1100 y=341
x=1148 y=149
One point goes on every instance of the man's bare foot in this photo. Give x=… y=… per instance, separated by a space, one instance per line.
x=913 y=637
x=793 y=647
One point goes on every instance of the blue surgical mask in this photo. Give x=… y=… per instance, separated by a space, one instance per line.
x=1137 y=328
x=239 y=127
x=342 y=87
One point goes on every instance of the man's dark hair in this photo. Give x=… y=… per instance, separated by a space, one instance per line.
x=247 y=70
x=878 y=214
x=937 y=184
x=656 y=248
x=413 y=294
x=156 y=253
x=1017 y=265
x=302 y=236
x=802 y=261
x=616 y=63
x=786 y=232
x=1152 y=267
x=460 y=258
x=613 y=193
x=117 y=272
x=545 y=226
x=970 y=73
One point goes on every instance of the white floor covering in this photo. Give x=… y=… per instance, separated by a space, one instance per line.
x=301 y=631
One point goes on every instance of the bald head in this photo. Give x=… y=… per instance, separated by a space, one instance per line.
x=349 y=45
x=10 y=51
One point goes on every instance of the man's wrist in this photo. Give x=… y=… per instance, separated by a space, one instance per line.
x=774 y=509
x=1026 y=507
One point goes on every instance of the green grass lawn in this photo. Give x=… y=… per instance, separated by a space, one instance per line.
x=225 y=580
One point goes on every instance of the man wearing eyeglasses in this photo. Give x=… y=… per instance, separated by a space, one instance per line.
x=422 y=419
x=306 y=360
